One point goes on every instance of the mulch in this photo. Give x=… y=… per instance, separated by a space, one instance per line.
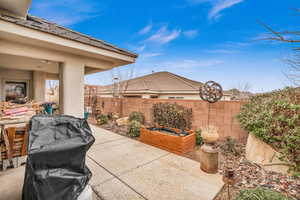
x=250 y=175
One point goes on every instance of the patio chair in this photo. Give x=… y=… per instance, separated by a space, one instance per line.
x=14 y=145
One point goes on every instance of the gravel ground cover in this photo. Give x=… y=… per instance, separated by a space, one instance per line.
x=248 y=175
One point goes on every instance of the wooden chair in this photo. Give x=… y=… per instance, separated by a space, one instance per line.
x=14 y=146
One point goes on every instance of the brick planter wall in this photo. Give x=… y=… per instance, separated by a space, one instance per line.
x=222 y=114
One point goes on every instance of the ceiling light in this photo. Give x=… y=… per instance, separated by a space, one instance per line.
x=46 y=62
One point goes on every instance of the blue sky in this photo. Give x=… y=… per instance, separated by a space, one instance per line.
x=199 y=39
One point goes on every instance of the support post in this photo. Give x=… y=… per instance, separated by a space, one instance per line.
x=71 y=88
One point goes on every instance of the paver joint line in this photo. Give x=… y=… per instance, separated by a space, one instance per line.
x=147 y=163
x=109 y=141
x=119 y=179
x=99 y=196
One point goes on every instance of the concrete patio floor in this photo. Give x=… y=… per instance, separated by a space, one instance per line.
x=128 y=169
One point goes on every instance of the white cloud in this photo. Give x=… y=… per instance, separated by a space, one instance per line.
x=262 y=36
x=221 y=5
x=146 y=29
x=66 y=12
x=139 y=48
x=187 y=63
x=191 y=33
x=149 y=55
x=217 y=6
x=164 y=35
x=237 y=44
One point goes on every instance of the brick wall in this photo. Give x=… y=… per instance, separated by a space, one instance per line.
x=222 y=114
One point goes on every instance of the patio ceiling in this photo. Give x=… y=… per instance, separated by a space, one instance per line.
x=26 y=63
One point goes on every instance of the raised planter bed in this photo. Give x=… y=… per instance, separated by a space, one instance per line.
x=169 y=142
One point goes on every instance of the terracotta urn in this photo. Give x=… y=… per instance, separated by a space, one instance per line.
x=210 y=134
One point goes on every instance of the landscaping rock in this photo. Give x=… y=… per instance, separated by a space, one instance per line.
x=263 y=154
x=122 y=121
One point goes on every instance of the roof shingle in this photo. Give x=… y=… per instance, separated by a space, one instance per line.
x=52 y=28
x=158 y=82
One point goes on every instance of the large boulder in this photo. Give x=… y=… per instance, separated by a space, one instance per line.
x=263 y=154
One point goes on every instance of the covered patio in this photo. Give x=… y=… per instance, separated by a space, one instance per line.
x=33 y=50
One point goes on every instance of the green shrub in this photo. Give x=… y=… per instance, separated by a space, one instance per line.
x=134 y=128
x=275 y=118
x=199 y=140
x=172 y=115
x=261 y=194
x=103 y=119
x=137 y=116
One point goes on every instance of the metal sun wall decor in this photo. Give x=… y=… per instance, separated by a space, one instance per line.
x=211 y=92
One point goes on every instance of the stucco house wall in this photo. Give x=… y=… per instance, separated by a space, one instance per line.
x=167 y=96
x=188 y=96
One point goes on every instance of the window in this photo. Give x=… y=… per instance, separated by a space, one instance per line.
x=15 y=90
x=154 y=97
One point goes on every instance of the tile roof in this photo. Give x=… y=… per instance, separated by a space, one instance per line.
x=52 y=28
x=158 y=82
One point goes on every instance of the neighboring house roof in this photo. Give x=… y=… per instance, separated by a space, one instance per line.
x=52 y=28
x=159 y=82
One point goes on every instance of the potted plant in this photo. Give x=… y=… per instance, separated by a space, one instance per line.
x=171 y=130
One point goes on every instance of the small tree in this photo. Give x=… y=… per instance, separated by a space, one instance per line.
x=241 y=91
x=289 y=37
x=120 y=81
x=52 y=85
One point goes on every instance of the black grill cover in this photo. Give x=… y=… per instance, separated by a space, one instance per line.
x=55 y=168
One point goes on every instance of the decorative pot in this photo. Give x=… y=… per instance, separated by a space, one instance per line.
x=210 y=134
x=209 y=160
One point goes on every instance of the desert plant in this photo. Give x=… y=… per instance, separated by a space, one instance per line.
x=199 y=140
x=230 y=146
x=134 y=127
x=138 y=116
x=260 y=194
x=210 y=134
x=102 y=119
x=275 y=118
x=172 y=115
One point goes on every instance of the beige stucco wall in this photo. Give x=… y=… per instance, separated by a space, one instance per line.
x=70 y=59
x=188 y=96
x=185 y=96
x=39 y=86
x=166 y=96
